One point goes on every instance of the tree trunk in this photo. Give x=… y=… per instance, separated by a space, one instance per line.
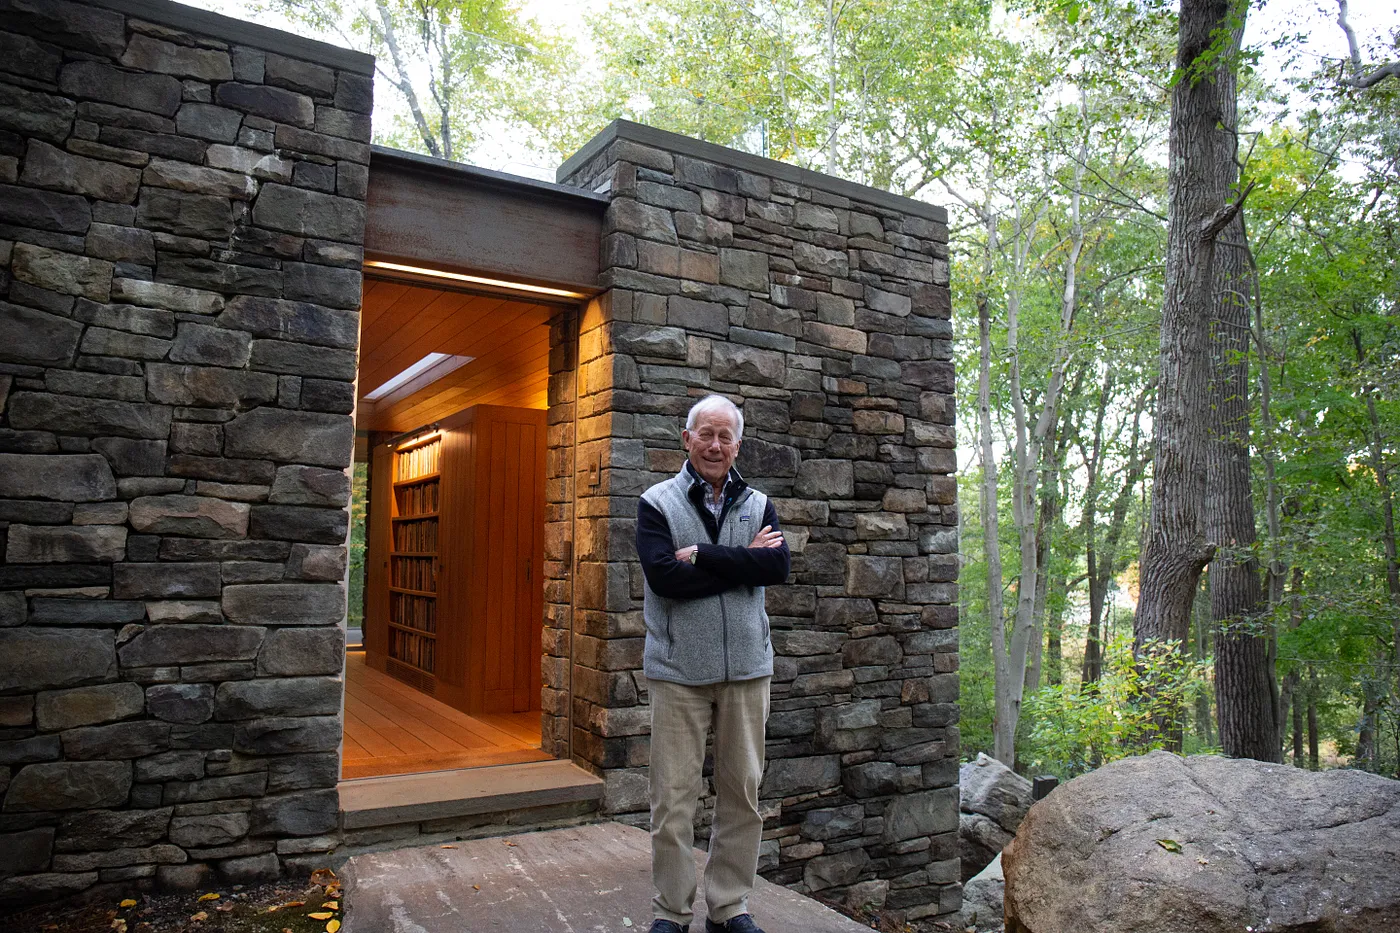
x=1003 y=715
x=1314 y=760
x=1200 y=159
x=1245 y=693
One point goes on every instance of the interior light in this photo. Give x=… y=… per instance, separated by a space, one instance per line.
x=428 y=370
x=474 y=279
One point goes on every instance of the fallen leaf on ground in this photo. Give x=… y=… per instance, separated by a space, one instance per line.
x=321 y=915
x=1171 y=845
x=1202 y=860
x=129 y=902
x=199 y=917
x=333 y=926
x=448 y=847
x=119 y=926
x=513 y=845
x=211 y=896
x=225 y=908
x=331 y=905
x=476 y=887
x=323 y=877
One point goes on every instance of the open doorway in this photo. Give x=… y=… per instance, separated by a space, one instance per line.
x=452 y=411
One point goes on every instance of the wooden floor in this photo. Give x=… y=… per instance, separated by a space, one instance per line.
x=390 y=728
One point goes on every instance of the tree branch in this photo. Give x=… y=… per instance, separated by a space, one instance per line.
x=1358 y=77
x=1211 y=228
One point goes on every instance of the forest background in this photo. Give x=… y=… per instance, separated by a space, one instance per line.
x=1042 y=125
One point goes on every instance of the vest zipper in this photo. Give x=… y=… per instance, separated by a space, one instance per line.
x=724 y=631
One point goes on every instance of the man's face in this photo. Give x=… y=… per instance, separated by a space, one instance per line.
x=713 y=445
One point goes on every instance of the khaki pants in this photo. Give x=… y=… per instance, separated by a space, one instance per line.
x=680 y=718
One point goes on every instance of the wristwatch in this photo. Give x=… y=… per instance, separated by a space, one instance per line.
x=694 y=554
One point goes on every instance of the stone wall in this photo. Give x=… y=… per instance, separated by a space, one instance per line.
x=181 y=213
x=822 y=308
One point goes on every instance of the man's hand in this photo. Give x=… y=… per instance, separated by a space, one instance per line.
x=684 y=553
x=767 y=537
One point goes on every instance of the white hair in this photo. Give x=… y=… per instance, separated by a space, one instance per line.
x=716 y=403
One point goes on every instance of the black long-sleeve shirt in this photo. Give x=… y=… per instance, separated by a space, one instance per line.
x=717 y=567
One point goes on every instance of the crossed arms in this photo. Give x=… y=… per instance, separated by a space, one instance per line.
x=717 y=568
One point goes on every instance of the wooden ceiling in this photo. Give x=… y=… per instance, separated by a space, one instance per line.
x=401 y=323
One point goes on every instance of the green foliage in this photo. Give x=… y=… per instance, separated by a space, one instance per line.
x=359 y=505
x=1075 y=730
x=462 y=70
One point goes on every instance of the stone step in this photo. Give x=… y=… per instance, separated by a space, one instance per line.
x=595 y=878
x=436 y=796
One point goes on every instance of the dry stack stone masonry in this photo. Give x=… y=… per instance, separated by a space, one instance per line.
x=822 y=307
x=181 y=218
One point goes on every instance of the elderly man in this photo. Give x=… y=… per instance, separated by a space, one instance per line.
x=709 y=544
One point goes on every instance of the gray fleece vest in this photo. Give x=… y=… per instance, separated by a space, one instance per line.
x=715 y=638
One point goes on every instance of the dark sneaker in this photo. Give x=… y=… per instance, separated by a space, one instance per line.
x=740 y=924
x=667 y=926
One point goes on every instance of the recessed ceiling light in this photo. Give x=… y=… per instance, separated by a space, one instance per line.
x=474 y=279
x=426 y=371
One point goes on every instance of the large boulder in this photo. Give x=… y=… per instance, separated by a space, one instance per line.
x=993 y=800
x=1163 y=844
x=982 y=900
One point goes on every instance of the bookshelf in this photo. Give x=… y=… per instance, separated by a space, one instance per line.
x=413 y=555
x=454 y=577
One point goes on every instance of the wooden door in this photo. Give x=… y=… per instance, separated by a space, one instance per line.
x=508 y=565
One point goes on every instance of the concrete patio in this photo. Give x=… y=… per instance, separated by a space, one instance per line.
x=586 y=878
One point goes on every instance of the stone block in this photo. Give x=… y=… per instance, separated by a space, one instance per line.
x=209 y=829
x=837 y=338
x=69 y=785
x=201 y=216
x=274 y=103
x=747 y=365
x=870 y=779
x=760 y=458
x=825 y=479
x=27 y=751
x=188 y=704
x=46 y=166
x=111 y=829
x=301 y=772
x=70 y=611
x=64 y=477
x=36 y=337
x=880 y=577
x=249 y=869
x=278 y=356
x=310 y=213
x=216 y=788
x=285 y=603
x=317 y=562
x=929 y=813
x=746 y=269
x=304 y=485
x=169 y=297
x=322 y=285
x=291 y=436
x=692 y=315
x=292 y=320
x=835 y=870
x=787 y=777
x=287 y=735
x=65 y=273
x=130 y=457
x=162 y=645
x=207 y=386
x=642 y=220
x=117 y=741
x=191 y=516
x=198 y=179
x=47 y=658
x=269 y=696
x=185 y=765
x=100 y=341
x=25 y=852
x=146 y=53
x=57 y=710
x=42 y=210
x=296 y=652
x=155 y=93
x=328 y=395
x=165 y=580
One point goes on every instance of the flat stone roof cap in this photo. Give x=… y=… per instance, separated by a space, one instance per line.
x=711 y=152
x=218 y=26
